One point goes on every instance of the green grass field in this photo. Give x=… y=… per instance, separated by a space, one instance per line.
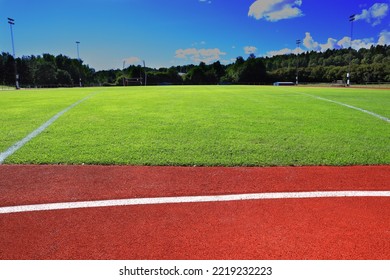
x=198 y=125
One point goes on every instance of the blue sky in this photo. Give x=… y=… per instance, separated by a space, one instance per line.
x=176 y=32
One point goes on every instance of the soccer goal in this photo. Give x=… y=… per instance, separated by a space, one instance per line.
x=133 y=81
x=338 y=83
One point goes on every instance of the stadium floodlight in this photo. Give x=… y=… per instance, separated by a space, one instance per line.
x=11 y=22
x=352 y=18
x=78 y=51
x=123 y=73
x=78 y=57
x=146 y=75
x=298 y=46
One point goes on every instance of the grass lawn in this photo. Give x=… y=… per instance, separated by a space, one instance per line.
x=199 y=125
x=23 y=111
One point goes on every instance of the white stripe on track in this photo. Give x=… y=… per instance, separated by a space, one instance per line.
x=189 y=199
x=11 y=150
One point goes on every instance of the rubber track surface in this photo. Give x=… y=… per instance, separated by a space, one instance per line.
x=321 y=228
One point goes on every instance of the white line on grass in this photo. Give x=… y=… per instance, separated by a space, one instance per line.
x=11 y=150
x=346 y=105
x=189 y=199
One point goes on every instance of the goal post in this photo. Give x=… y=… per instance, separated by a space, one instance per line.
x=133 y=81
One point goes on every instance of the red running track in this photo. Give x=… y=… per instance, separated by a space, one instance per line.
x=320 y=228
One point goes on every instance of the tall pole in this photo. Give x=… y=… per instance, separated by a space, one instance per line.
x=146 y=75
x=78 y=57
x=123 y=72
x=12 y=23
x=297 y=77
x=351 y=19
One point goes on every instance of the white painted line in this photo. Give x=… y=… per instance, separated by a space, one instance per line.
x=189 y=199
x=346 y=105
x=11 y=150
x=351 y=107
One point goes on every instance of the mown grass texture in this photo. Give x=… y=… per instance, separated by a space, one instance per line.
x=199 y=125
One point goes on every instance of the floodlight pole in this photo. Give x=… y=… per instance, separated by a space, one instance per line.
x=146 y=75
x=298 y=46
x=11 y=23
x=123 y=72
x=351 y=19
x=78 y=57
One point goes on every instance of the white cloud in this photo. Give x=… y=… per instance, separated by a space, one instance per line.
x=180 y=53
x=275 y=10
x=310 y=44
x=200 y=55
x=132 y=60
x=375 y=14
x=250 y=49
x=365 y=43
x=331 y=44
x=384 y=38
x=345 y=42
x=228 y=61
x=356 y=44
x=284 y=51
x=279 y=52
x=285 y=13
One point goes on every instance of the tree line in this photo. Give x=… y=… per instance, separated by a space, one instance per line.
x=45 y=71
x=365 y=65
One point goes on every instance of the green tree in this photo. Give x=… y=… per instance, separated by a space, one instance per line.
x=64 y=78
x=46 y=74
